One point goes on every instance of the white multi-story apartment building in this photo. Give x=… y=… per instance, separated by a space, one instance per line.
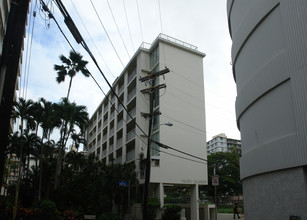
x=115 y=138
x=221 y=143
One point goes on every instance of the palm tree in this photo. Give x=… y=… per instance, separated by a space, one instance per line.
x=70 y=67
x=48 y=123
x=21 y=110
x=71 y=115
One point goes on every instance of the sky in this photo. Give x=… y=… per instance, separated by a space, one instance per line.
x=114 y=36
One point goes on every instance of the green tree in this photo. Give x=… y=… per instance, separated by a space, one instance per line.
x=228 y=169
x=70 y=67
x=21 y=110
x=71 y=116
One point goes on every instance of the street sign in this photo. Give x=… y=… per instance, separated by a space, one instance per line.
x=123 y=183
x=215 y=180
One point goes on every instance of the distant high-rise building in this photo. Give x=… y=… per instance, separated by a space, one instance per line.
x=220 y=143
x=114 y=137
x=269 y=59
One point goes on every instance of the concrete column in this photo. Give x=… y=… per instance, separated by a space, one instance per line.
x=194 y=202
x=161 y=195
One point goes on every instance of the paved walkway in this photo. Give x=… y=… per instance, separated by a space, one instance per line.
x=221 y=216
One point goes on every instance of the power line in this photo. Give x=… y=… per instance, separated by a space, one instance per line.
x=180 y=157
x=106 y=33
x=76 y=34
x=27 y=53
x=32 y=34
x=137 y=4
x=128 y=24
x=118 y=29
x=92 y=39
x=179 y=151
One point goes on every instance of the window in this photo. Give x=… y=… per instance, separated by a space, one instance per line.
x=154 y=149
x=154 y=57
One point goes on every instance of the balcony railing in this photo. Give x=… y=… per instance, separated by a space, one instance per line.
x=132 y=113
x=105 y=123
x=130 y=156
x=120 y=124
x=104 y=138
x=121 y=89
x=99 y=142
x=131 y=76
x=112 y=115
x=130 y=135
x=104 y=153
x=119 y=160
x=111 y=148
x=119 y=142
x=120 y=107
x=111 y=131
x=131 y=94
x=105 y=108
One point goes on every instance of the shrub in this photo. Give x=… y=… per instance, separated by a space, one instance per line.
x=171 y=212
x=48 y=209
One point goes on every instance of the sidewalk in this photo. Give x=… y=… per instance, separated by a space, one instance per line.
x=222 y=216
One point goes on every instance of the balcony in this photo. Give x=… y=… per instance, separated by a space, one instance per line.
x=119 y=160
x=105 y=108
x=111 y=131
x=130 y=156
x=119 y=142
x=131 y=76
x=104 y=138
x=120 y=107
x=130 y=135
x=132 y=113
x=111 y=148
x=105 y=122
x=131 y=94
x=121 y=89
x=112 y=115
x=120 y=124
x=104 y=153
x=99 y=142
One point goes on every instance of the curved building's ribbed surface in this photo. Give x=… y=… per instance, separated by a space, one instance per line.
x=269 y=56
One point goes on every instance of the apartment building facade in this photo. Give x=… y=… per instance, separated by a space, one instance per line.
x=114 y=137
x=221 y=143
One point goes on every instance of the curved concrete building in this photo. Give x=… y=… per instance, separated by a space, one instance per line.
x=269 y=56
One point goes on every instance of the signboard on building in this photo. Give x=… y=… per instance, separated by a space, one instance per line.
x=215 y=180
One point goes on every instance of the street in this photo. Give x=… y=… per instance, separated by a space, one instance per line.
x=222 y=216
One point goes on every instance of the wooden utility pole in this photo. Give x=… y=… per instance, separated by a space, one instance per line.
x=151 y=91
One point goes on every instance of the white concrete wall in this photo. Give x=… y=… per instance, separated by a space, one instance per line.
x=269 y=56
x=183 y=101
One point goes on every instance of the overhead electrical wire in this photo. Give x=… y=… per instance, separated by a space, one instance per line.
x=137 y=4
x=118 y=29
x=24 y=74
x=51 y=15
x=106 y=32
x=180 y=157
x=30 y=53
x=92 y=39
x=128 y=24
x=83 y=43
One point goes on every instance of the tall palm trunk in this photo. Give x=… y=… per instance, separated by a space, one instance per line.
x=19 y=176
x=41 y=170
x=69 y=88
